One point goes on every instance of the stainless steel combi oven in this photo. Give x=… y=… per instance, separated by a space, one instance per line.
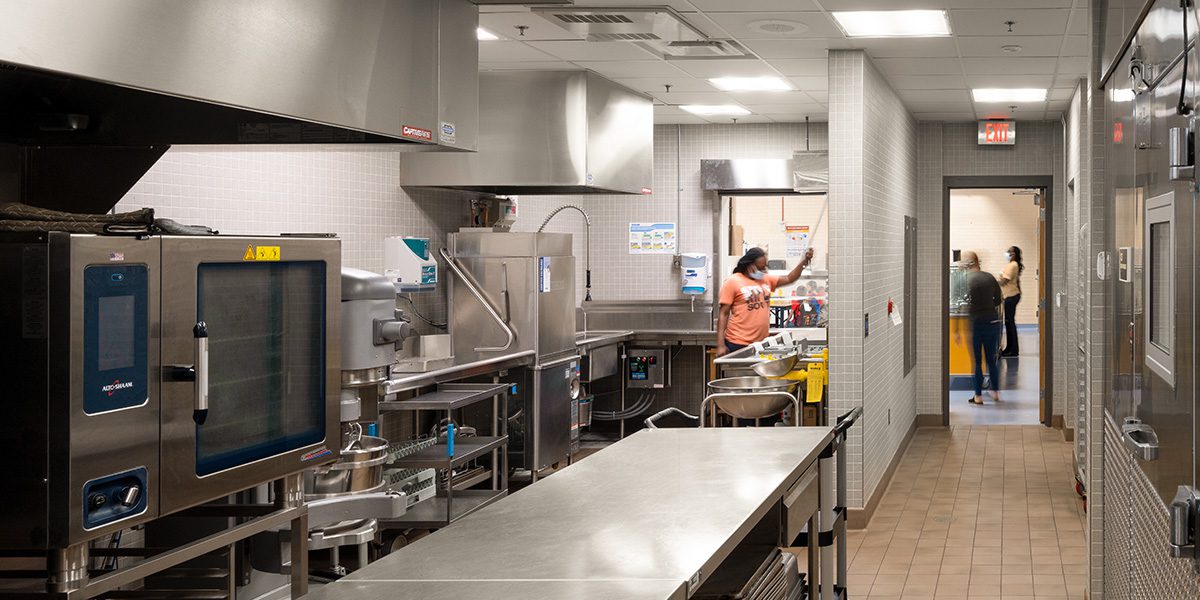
x=147 y=375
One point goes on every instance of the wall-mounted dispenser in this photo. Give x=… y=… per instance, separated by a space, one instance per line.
x=407 y=263
x=695 y=273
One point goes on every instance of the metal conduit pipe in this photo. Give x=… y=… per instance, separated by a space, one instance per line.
x=587 y=297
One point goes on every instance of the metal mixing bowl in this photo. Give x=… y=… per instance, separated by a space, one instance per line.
x=777 y=367
x=751 y=397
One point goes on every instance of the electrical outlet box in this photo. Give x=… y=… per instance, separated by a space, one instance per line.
x=646 y=368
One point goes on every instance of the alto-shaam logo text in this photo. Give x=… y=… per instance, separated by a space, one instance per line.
x=116 y=386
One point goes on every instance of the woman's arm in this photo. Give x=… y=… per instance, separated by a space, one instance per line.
x=722 y=323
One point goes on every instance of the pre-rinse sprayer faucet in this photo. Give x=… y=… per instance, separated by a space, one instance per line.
x=587 y=297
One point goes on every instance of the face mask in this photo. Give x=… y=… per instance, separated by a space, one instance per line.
x=1008 y=256
x=755 y=275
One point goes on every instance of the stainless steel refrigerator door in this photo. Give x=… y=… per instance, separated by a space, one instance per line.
x=550 y=421
x=271 y=308
x=89 y=440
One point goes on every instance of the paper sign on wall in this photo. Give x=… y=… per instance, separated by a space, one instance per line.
x=652 y=238
x=797 y=239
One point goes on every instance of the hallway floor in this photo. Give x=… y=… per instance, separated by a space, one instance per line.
x=1019 y=389
x=976 y=513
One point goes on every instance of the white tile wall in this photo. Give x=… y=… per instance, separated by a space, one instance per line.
x=353 y=192
x=873 y=187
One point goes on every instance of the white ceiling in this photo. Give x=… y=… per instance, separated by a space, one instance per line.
x=932 y=75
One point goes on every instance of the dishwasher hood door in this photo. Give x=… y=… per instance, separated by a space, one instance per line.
x=138 y=72
x=549 y=132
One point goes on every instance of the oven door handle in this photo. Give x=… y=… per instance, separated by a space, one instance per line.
x=200 y=412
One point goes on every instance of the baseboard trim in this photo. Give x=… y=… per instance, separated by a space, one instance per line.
x=1056 y=421
x=1068 y=434
x=857 y=518
x=929 y=421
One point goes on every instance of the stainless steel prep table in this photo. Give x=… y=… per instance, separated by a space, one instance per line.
x=663 y=505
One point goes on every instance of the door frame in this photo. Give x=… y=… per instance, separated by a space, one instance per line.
x=1045 y=182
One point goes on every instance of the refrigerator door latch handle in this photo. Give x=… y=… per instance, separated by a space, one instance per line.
x=1184 y=523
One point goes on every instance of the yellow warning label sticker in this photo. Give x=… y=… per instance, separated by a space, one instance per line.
x=249 y=255
x=270 y=253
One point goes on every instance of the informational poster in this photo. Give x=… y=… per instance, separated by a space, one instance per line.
x=652 y=238
x=797 y=239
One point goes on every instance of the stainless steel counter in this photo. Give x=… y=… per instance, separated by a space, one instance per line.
x=649 y=513
x=642 y=589
x=411 y=381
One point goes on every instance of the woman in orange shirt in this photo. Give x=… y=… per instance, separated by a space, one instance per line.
x=745 y=298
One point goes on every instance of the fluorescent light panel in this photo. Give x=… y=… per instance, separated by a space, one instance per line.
x=709 y=110
x=750 y=84
x=484 y=35
x=893 y=23
x=1009 y=95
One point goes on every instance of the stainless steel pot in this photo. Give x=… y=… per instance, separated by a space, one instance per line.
x=359 y=470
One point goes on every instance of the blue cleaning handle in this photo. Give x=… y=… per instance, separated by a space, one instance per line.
x=450 y=440
x=372 y=429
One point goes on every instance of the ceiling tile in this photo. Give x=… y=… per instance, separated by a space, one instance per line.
x=576 y=51
x=1061 y=94
x=632 y=68
x=1009 y=66
x=929 y=106
x=497 y=51
x=785 y=109
x=662 y=109
x=1027 y=21
x=986 y=112
x=556 y=65
x=810 y=48
x=818 y=117
x=802 y=67
x=784 y=98
x=505 y=25
x=927 y=82
x=806 y=84
x=741 y=120
x=654 y=85
x=1008 y=81
x=959 y=95
x=1031 y=45
x=952 y=117
x=929 y=66
x=832 y=5
x=726 y=68
x=742 y=25
x=908 y=47
x=716 y=6
x=1058 y=106
x=1076 y=66
x=694 y=98
x=678 y=120
x=1008 y=3
x=681 y=5
x=818 y=96
x=1077 y=45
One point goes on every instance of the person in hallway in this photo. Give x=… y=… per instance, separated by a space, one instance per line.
x=745 y=298
x=1010 y=288
x=983 y=305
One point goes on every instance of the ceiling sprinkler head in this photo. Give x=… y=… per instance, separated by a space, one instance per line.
x=668 y=86
x=1010 y=24
x=523 y=28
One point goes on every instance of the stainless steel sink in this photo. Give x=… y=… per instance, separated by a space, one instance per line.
x=424 y=353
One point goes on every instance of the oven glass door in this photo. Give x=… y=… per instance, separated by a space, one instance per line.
x=268 y=313
x=266 y=377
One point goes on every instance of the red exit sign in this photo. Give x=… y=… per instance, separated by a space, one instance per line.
x=997 y=133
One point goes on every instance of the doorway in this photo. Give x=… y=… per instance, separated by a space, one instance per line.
x=999 y=224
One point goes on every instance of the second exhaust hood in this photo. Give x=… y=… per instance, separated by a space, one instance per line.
x=549 y=132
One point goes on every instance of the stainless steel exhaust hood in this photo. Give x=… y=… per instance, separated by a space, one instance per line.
x=103 y=75
x=549 y=132
x=805 y=172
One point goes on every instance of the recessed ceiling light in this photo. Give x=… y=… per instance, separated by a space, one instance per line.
x=1010 y=49
x=893 y=23
x=484 y=35
x=1009 y=95
x=709 y=110
x=750 y=84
